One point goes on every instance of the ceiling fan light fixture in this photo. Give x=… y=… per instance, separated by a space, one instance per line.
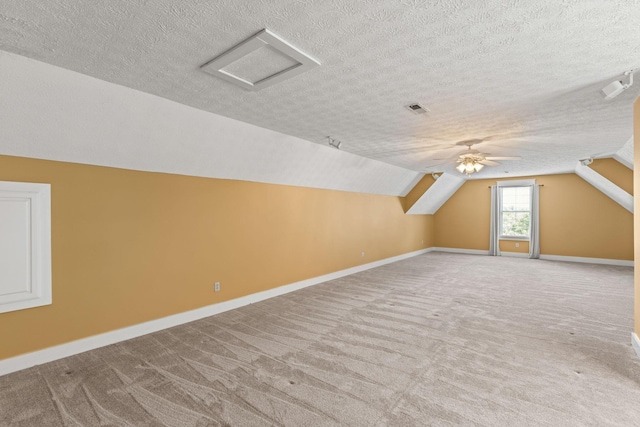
x=469 y=165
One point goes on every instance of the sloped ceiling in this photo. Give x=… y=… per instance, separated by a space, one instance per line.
x=437 y=195
x=609 y=188
x=625 y=154
x=524 y=75
x=56 y=114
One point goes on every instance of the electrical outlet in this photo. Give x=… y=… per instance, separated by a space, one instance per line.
x=216 y=287
x=362 y=254
x=517 y=245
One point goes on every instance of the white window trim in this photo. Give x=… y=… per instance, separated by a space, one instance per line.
x=516 y=183
x=516 y=238
x=39 y=196
x=513 y=183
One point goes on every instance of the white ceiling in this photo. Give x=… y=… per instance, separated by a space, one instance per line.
x=51 y=113
x=527 y=73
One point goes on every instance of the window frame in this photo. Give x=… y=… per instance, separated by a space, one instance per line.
x=511 y=184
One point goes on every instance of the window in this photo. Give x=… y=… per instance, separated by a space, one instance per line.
x=515 y=212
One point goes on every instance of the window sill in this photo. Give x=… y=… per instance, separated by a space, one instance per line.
x=517 y=239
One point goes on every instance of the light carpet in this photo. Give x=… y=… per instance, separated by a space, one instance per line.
x=438 y=339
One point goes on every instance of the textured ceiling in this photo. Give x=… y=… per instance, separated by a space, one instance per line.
x=526 y=73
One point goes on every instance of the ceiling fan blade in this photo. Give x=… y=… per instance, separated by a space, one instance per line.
x=503 y=158
x=489 y=163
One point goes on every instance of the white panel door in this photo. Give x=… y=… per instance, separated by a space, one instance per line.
x=15 y=247
x=25 y=245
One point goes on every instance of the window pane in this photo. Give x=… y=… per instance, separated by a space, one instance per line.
x=522 y=198
x=515 y=223
x=508 y=199
x=515 y=199
x=515 y=212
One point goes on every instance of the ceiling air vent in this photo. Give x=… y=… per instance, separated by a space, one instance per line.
x=417 y=109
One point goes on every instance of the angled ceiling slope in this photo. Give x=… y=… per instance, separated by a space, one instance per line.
x=472 y=64
x=56 y=114
x=607 y=187
x=625 y=154
x=440 y=191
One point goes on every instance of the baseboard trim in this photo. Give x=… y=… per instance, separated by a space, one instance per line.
x=461 y=251
x=635 y=342
x=586 y=260
x=50 y=354
x=606 y=261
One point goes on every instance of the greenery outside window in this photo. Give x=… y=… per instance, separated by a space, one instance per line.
x=515 y=212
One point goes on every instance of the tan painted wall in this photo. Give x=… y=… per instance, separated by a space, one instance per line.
x=636 y=207
x=615 y=172
x=463 y=221
x=510 y=246
x=575 y=220
x=131 y=246
x=417 y=191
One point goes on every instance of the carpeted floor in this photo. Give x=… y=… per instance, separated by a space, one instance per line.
x=439 y=339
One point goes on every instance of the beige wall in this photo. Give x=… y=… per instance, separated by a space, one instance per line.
x=131 y=246
x=575 y=220
x=615 y=172
x=463 y=221
x=417 y=191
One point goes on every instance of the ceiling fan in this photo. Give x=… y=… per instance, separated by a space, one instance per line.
x=471 y=161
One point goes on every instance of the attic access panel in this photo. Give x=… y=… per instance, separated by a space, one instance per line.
x=275 y=49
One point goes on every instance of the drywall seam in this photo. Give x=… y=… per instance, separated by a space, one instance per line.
x=610 y=189
x=50 y=354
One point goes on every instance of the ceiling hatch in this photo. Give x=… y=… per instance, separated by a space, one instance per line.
x=260 y=61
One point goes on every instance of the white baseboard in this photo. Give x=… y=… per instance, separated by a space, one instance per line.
x=461 y=251
x=85 y=344
x=606 y=261
x=635 y=342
